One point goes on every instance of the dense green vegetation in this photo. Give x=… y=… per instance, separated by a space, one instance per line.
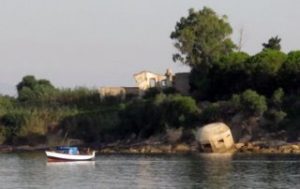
x=260 y=93
x=80 y=113
x=264 y=86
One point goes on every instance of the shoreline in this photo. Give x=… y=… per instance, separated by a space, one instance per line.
x=258 y=147
x=269 y=147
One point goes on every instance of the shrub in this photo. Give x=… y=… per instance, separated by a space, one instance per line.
x=211 y=113
x=250 y=102
x=277 y=97
x=179 y=111
x=6 y=104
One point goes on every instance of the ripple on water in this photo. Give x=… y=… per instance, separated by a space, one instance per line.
x=30 y=170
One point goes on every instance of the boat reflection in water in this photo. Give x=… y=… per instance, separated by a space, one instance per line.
x=71 y=163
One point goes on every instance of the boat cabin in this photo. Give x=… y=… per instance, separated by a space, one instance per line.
x=67 y=150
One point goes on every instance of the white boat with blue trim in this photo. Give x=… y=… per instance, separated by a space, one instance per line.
x=64 y=153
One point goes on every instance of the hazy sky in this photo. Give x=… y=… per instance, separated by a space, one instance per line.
x=96 y=43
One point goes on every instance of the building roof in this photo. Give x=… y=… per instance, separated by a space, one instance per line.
x=144 y=71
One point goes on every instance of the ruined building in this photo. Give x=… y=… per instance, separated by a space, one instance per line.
x=181 y=83
x=215 y=137
x=121 y=92
x=146 y=80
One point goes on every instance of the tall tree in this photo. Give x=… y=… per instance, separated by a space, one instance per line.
x=202 y=38
x=273 y=43
x=31 y=89
x=264 y=68
x=289 y=74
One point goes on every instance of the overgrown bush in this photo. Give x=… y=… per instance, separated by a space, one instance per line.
x=179 y=111
x=92 y=127
x=6 y=104
x=250 y=102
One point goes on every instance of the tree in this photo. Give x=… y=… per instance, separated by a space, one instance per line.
x=273 y=43
x=289 y=74
x=263 y=68
x=277 y=98
x=268 y=61
x=250 y=102
x=275 y=114
x=229 y=76
x=31 y=89
x=27 y=81
x=202 y=38
x=6 y=103
x=225 y=77
x=234 y=60
x=178 y=111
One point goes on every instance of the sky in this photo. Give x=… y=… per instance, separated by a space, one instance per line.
x=94 y=43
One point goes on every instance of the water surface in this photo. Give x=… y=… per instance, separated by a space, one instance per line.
x=31 y=170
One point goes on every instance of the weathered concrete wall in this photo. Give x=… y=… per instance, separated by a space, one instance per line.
x=121 y=92
x=112 y=91
x=146 y=80
x=215 y=137
x=181 y=83
x=133 y=91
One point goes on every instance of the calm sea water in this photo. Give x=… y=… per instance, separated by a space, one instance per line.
x=30 y=170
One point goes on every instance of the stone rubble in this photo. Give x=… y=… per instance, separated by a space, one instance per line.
x=276 y=147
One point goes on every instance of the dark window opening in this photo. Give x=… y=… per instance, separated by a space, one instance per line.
x=206 y=147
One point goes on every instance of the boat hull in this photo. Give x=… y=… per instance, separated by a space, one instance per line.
x=58 y=157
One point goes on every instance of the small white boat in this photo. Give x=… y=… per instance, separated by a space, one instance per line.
x=69 y=154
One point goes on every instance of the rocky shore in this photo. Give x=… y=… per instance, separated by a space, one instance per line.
x=267 y=147
x=149 y=148
x=10 y=148
x=271 y=147
x=115 y=148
